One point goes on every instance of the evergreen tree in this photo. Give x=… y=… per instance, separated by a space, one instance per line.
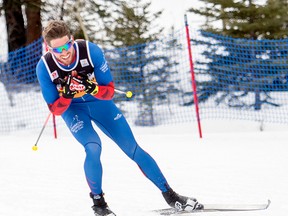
x=245 y=19
x=145 y=71
x=232 y=74
x=87 y=19
x=133 y=24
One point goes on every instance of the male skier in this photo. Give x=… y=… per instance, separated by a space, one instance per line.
x=76 y=83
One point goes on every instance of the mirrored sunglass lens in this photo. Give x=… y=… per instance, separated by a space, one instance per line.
x=65 y=46
x=58 y=49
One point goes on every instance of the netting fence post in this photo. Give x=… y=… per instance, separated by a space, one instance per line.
x=193 y=76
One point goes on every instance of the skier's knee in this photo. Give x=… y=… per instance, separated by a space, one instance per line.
x=138 y=153
x=93 y=148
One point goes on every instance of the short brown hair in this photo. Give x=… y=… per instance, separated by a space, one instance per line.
x=55 y=29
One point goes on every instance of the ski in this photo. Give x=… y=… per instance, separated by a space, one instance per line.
x=216 y=208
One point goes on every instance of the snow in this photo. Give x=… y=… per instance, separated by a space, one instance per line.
x=234 y=162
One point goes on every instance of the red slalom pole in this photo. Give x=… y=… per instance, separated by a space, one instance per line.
x=193 y=76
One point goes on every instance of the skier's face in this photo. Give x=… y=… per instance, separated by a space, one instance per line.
x=63 y=49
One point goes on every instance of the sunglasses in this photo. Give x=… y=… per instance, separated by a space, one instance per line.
x=60 y=49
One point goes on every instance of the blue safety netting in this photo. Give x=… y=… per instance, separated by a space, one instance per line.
x=236 y=79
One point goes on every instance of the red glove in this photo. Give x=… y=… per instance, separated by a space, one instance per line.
x=59 y=106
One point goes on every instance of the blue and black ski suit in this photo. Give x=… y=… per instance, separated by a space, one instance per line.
x=83 y=109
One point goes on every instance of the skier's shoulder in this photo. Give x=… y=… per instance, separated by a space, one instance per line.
x=41 y=68
x=96 y=54
x=95 y=49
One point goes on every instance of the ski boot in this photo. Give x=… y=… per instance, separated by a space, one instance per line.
x=181 y=203
x=100 y=207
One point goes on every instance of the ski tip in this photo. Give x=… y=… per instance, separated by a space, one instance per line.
x=268 y=204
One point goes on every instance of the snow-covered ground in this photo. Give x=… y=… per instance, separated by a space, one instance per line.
x=234 y=162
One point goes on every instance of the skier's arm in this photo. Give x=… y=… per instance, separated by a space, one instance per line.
x=102 y=73
x=56 y=104
x=59 y=106
x=106 y=92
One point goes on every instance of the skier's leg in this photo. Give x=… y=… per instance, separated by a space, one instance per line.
x=112 y=122
x=81 y=128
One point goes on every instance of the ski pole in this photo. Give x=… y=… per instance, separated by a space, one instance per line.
x=54 y=126
x=35 y=147
x=128 y=94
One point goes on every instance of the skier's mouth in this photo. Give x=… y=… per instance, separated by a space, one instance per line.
x=66 y=57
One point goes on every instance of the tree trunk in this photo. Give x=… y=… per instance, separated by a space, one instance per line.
x=34 y=27
x=14 y=24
